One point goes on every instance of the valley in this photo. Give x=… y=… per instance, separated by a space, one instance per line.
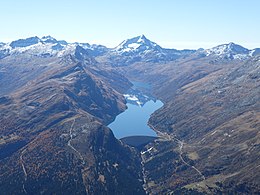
x=58 y=101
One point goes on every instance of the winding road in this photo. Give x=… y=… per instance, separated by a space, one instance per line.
x=181 y=143
x=168 y=137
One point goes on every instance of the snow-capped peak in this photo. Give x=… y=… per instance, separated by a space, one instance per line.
x=136 y=44
x=230 y=50
x=46 y=46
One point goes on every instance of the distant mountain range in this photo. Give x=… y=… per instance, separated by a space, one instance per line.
x=137 y=49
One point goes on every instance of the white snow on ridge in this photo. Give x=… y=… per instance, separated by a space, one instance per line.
x=67 y=49
x=38 y=48
x=141 y=39
x=241 y=56
x=41 y=48
x=230 y=50
x=219 y=50
x=134 y=45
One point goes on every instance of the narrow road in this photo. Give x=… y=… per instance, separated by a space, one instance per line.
x=69 y=142
x=181 y=143
x=168 y=137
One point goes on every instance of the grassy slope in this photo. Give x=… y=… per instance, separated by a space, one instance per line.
x=213 y=107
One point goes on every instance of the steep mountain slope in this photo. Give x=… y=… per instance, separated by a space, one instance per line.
x=53 y=136
x=208 y=126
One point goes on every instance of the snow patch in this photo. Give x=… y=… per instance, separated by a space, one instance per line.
x=134 y=45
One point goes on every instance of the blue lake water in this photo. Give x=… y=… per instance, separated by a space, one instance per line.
x=134 y=120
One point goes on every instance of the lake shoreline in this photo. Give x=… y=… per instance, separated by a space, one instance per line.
x=134 y=120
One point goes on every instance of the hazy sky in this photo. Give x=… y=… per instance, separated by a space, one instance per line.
x=170 y=23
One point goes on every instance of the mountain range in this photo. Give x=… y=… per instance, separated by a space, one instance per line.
x=129 y=51
x=57 y=98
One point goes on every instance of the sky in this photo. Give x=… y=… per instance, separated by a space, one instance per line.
x=179 y=24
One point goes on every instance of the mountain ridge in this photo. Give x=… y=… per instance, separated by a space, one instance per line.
x=137 y=48
x=53 y=136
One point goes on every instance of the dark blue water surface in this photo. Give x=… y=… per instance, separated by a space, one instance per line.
x=134 y=120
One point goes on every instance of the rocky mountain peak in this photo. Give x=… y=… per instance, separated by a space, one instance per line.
x=230 y=50
x=237 y=48
x=48 y=39
x=25 y=42
x=136 y=44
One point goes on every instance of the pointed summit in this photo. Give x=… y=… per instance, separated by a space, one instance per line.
x=142 y=37
x=237 y=48
x=137 y=44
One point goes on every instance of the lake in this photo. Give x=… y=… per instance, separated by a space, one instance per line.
x=133 y=121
